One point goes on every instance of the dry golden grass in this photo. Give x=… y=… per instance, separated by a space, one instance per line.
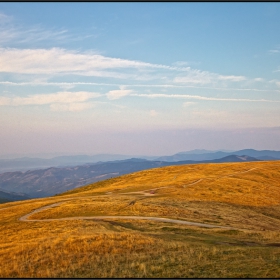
x=227 y=195
x=258 y=187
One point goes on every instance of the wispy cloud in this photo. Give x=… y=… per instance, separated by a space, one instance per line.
x=12 y=32
x=276 y=82
x=205 y=77
x=133 y=85
x=58 y=61
x=197 y=97
x=259 y=80
x=4 y=19
x=43 y=99
x=116 y=94
x=181 y=63
x=69 y=85
x=188 y=104
x=231 y=78
x=274 y=51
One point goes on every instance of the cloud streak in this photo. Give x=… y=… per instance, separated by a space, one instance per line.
x=71 y=84
x=62 y=62
x=11 y=32
x=198 y=97
x=116 y=94
x=57 y=60
x=205 y=77
x=44 y=99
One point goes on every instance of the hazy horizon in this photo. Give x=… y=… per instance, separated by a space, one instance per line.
x=54 y=155
x=147 y=79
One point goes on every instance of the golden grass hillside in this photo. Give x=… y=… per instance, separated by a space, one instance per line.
x=235 y=208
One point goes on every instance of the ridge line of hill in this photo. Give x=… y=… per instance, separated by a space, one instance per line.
x=54 y=180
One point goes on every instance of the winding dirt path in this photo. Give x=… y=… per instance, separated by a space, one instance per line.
x=145 y=192
x=149 y=192
x=26 y=218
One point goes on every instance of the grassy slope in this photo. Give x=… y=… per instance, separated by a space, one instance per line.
x=227 y=195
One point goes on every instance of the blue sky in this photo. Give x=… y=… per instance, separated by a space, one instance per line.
x=138 y=78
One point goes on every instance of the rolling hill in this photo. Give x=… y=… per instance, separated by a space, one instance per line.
x=185 y=221
x=53 y=180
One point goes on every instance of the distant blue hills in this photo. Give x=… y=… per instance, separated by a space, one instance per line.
x=209 y=155
x=73 y=172
x=28 y=163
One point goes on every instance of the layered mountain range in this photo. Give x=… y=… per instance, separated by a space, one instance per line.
x=53 y=180
x=208 y=155
x=27 y=163
x=76 y=171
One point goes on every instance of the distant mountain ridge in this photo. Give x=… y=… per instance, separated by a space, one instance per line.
x=27 y=163
x=262 y=155
x=202 y=151
x=235 y=158
x=53 y=180
x=11 y=196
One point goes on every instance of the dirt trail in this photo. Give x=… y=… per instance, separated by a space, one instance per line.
x=145 y=192
x=25 y=218
x=149 y=192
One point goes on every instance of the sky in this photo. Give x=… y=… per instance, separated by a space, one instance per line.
x=138 y=78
